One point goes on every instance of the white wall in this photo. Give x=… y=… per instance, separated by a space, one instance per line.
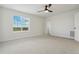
x=61 y=24
x=36 y=25
x=76 y=24
x=0 y=24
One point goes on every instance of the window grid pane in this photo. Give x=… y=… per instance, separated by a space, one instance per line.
x=20 y=23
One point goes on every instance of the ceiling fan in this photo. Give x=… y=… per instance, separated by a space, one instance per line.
x=46 y=8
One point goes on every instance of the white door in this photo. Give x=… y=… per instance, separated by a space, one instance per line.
x=76 y=28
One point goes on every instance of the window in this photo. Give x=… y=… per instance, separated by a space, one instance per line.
x=20 y=23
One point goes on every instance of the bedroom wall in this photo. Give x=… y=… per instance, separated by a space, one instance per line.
x=61 y=24
x=0 y=24
x=36 y=25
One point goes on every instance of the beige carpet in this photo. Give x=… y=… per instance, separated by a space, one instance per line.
x=40 y=45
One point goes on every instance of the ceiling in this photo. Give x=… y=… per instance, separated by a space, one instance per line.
x=34 y=8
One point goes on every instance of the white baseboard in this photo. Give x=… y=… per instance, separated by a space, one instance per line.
x=20 y=37
x=63 y=36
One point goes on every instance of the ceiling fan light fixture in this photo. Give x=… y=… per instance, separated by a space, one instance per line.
x=46 y=11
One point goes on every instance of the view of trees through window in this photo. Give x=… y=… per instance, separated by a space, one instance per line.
x=20 y=23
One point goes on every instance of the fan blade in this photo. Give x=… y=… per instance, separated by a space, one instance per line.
x=50 y=10
x=45 y=7
x=49 y=5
